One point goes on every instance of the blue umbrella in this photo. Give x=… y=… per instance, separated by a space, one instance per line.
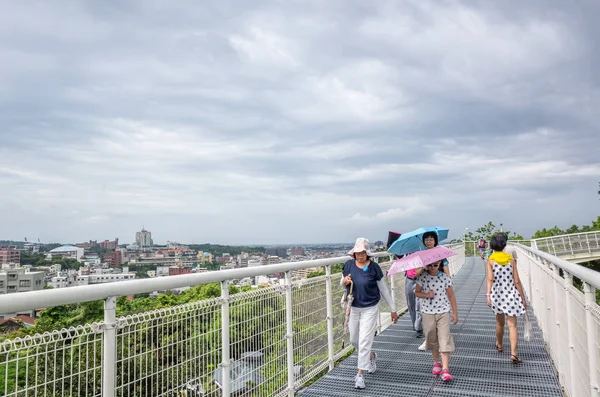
x=413 y=241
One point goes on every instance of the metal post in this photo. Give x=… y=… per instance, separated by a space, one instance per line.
x=570 y=336
x=556 y=315
x=587 y=240
x=590 y=299
x=109 y=359
x=225 y=358
x=534 y=244
x=329 y=291
x=290 y=333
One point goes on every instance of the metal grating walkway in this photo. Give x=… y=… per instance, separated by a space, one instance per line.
x=477 y=368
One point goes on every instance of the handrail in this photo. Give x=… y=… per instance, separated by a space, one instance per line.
x=565 y=235
x=583 y=273
x=30 y=300
x=569 y=319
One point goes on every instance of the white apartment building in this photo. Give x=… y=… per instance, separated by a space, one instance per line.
x=19 y=280
x=74 y=278
x=68 y=251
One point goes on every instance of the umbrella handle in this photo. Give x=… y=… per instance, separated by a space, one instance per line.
x=351 y=286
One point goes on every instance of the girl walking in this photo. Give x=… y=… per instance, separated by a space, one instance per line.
x=434 y=290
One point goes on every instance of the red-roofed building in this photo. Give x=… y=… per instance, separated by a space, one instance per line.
x=13 y=324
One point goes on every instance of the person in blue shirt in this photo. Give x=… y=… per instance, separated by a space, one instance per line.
x=368 y=288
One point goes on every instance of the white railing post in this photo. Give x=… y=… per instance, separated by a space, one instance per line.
x=570 y=336
x=590 y=299
x=330 y=340
x=290 y=333
x=225 y=355
x=109 y=359
x=587 y=240
x=556 y=314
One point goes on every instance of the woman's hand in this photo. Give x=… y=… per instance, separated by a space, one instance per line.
x=431 y=294
x=394 y=317
x=489 y=301
x=455 y=317
x=524 y=302
x=347 y=279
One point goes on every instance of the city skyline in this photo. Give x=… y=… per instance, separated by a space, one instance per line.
x=242 y=124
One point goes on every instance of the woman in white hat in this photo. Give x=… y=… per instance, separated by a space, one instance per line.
x=368 y=289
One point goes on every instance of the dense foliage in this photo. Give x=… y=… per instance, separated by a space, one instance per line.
x=219 y=250
x=556 y=231
x=39 y=259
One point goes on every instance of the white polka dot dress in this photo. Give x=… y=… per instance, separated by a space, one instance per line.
x=504 y=295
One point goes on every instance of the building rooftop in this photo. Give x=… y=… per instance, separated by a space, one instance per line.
x=65 y=248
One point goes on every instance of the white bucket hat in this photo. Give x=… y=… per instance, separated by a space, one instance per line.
x=361 y=244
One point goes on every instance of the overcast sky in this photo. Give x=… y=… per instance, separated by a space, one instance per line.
x=241 y=122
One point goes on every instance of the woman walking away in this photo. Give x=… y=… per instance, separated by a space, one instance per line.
x=368 y=288
x=504 y=294
x=434 y=290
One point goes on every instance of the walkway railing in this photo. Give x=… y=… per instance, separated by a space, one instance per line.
x=577 y=247
x=267 y=341
x=568 y=316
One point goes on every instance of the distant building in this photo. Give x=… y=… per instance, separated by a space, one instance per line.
x=106 y=244
x=10 y=254
x=84 y=276
x=143 y=239
x=297 y=251
x=277 y=251
x=205 y=257
x=68 y=251
x=32 y=248
x=176 y=271
x=16 y=323
x=18 y=280
x=303 y=273
x=113 y=258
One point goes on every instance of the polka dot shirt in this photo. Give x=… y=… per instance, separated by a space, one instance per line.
x=439 y=284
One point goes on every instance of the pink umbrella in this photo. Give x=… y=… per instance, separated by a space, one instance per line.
x=420 y=259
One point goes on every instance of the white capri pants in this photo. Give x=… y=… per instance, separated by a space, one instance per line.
x=362 y=326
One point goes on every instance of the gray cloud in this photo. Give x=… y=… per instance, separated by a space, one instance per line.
x=295 y=121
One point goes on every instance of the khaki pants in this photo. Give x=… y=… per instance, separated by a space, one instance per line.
x=437 y=332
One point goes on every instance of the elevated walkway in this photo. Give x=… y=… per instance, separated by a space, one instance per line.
x=575 y=248
x=478 y=369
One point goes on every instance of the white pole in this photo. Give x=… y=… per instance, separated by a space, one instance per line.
x=225 y=358
x=590 y=299
x=570 y=336
x=109 y=359
x=290 y=333
x=556 y=330
x=330 y=342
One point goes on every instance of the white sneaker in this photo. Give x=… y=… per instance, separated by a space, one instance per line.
x=359 y=382
x=373 y=364
x=422 y=347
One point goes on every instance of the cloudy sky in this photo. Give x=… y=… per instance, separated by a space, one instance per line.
x=296 y=121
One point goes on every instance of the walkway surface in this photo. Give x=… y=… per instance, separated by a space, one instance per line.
x=477 y=368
